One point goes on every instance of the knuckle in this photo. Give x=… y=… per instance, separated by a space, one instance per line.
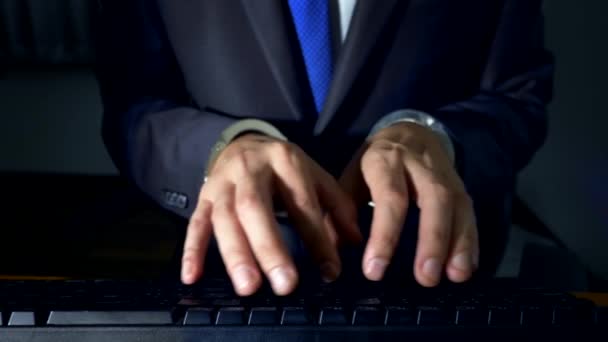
x=282 y=150
x=235 y=255
x=304 y=201
x=269 y=256
x=197 y=222
x=239 y=164
x=386 y=145
x=439 y=237
x=395 y=198
x=267 y=248
x=387 y=242
x=443 y=193
x=205 y=193
x=372 y=156
x=395 y=154
x=201 y=211
x=220 y=211
x=190 y=252
x=249 y=201
x=387 y=150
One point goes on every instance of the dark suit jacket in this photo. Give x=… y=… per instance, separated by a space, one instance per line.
x=175 y=73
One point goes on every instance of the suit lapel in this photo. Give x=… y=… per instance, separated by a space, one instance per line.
x=270 y=25
x=367 y=24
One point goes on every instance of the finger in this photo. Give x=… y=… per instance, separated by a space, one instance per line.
x=254 y=209
x=196 y=243
x=297 y=190
x=331 y=230
x=464 y=254
x=385 y=176
x=352 y=182
x=436 y=217
x=339 y=204
x=233 y=245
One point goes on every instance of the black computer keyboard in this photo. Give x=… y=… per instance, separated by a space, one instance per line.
x=117 y=310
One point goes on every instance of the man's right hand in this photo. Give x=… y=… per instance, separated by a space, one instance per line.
x=236 y=204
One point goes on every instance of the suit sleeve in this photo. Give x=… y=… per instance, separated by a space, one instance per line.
x=497 y=132
x=156 y=137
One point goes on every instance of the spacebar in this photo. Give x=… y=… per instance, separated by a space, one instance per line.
x=109 y=318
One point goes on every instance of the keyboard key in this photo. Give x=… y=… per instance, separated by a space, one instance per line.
x=504 y=316
x=536 y=316
x=368 y=301
x=572 y=315
x=401 y=316
x=434 y=315
x=333 y=316
x=199 y=316
x=21 y=318
x=230 y=316
x=471 y=316
x=110 y=318
x=369 y=315
x=295 y=316
x=263 y=316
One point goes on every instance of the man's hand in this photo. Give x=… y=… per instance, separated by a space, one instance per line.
x=404 y=163
x=236 y=204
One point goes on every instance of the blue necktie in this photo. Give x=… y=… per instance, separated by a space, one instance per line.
x=311 y=19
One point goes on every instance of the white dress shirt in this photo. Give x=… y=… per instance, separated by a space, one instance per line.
x=346 y=8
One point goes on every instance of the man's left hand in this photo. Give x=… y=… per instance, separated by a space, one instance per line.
x=401 y=164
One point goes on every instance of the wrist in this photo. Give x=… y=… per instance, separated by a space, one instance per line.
x=241 y=140
x=415 y=138
x=412 y=118
x=243 y=129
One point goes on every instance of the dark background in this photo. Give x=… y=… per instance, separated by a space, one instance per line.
x=50 y=116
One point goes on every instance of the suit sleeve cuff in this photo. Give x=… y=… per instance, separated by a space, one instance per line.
x=420 y=118
x=237 y=129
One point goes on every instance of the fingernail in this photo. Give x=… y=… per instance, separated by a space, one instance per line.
x=329 y=272
x=374 y=269
x=432 y=268
x=281 y=279
x=462 y=261
x=187 y=267
x=243 y=276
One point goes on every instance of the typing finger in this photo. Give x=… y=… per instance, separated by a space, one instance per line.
x=254 y=209
x=233 y=245
x=435 y=201
x=464 y=254
x=385 y=176
x=196 y=243
x=297 y=190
